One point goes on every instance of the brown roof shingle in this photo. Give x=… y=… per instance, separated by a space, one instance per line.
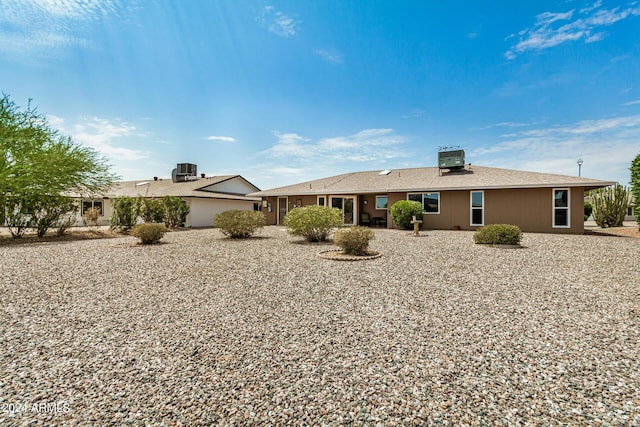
x=430 y=178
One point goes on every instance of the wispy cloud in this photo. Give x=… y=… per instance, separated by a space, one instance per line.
x=414 y=114
x=100 y=134
x=277 y=22
x=221 y=138
x=606 y=146
x=330 y=55
x=368 y=145
x=552 y=29
x=502 y=125
x=41 y=27
x=636 y=102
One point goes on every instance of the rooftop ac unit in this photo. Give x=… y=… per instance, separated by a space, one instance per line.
x=187 y=169
x=453 y=159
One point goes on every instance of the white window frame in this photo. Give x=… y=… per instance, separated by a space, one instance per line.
x=422 y=194
x=386 y=197
x=324 y=200
x=471 y=208
x=553 y=208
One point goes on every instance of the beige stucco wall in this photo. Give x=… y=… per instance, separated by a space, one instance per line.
x=202 y=211
x=530 y=209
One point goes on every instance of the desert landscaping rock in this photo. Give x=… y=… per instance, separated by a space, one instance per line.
x=204 y=330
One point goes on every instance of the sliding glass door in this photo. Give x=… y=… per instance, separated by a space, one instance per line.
x=347 y=204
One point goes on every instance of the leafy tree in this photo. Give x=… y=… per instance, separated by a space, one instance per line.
x=403 y=212
x=609 y=205
x=37 y=162
x=52 y=211
x=635 y=186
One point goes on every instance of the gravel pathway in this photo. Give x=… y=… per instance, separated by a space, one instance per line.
x=203 y=330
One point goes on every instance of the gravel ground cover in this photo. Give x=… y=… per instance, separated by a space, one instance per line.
x=202 y=330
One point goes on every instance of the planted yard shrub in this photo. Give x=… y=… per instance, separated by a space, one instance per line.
x=609 y=205
x=125 y=212
x=90 y=217
x=151 y=210
x=175 y=211
x=239 y=224
x=149 y=233
x=354 y=240
x=498 y=234
x=314 y=223
x=403 y=211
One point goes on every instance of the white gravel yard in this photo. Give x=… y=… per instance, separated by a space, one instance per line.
x=202 y=330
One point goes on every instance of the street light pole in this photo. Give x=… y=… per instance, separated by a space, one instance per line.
x=580 y=167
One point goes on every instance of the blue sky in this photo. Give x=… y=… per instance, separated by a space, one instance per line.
x=285 y=91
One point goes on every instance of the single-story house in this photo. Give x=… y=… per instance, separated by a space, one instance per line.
x=205 y=196
x=462 y=198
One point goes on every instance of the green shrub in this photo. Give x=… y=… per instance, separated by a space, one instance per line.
x=498 y=234
x=609 y=205
x=239 y=224
x=151 y=210
x=403 y=212
x=314 y=223
x=354 y=240
x=125 y=212
x=175 y=211
x=149 y=232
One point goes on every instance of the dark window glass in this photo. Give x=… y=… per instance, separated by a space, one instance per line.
x=415 y=197
x=320 y=201
x=561 y=217
x=561 y=199
x=476 y=216
x=431 y=202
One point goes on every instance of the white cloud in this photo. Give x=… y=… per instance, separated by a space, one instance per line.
x=368 y=145
x=607 y=147
x=636 y=102
x=552 y=29
x=99 y=134
x=221 y=138
x=330 y=55
x=277 y=22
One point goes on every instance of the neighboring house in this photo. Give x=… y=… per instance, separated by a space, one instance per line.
x=466 y=198
x=206 y=196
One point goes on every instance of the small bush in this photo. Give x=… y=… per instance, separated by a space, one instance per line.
x=354 y=240
x=239 y=224
x=149 y=233
x=90 y=217
x=498 y=234
x=314 y=223
x=403 y=212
